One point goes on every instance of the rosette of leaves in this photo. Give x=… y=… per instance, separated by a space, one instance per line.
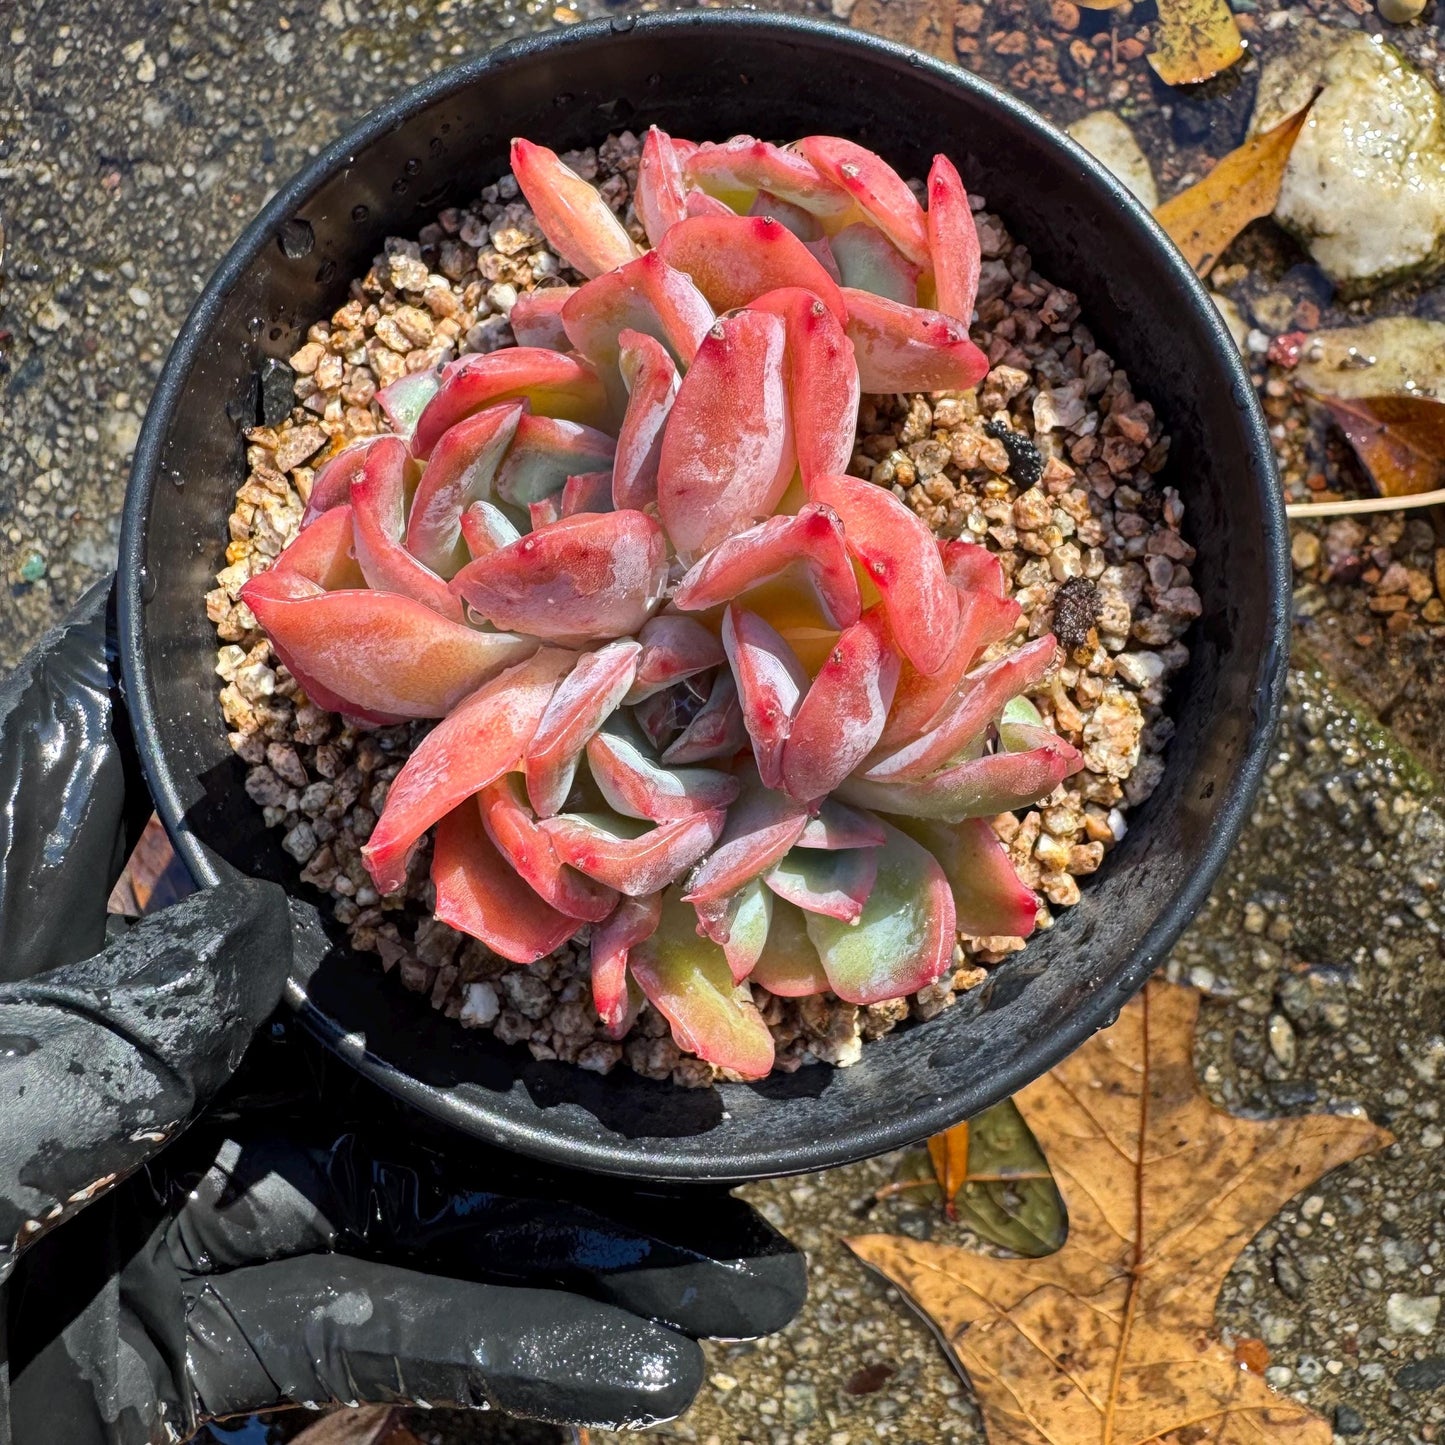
x=705 y=700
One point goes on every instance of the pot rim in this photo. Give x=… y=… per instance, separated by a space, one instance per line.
x=1096 y=1009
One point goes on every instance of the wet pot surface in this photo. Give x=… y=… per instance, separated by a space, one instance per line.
x=708 y=75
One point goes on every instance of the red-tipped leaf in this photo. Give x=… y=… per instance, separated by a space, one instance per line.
x=473 y=746
x=478 y=893
x=589 y=695
x=900 y=557
x=908 y=348
x=589 y=576
x=727 y=454
x=572 y=214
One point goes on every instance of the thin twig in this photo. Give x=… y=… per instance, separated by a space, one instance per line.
x=1352 y=505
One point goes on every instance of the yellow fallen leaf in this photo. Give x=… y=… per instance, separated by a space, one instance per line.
x=1242 y=187
x=1194 y=39
x=926 y=25
x=1100 y=4
x=1110 y=1340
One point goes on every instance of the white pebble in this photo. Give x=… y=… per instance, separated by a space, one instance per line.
x=481 y=1007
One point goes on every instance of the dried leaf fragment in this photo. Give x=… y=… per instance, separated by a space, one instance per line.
x=1400 y=440
x=949 y=1153
x=1243 y=186
x=1194 y=39
x=991 y=1176
x=1110 y=1339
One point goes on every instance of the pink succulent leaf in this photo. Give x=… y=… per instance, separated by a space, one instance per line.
x=716 y=731
x=656 y=717
x=661 y=193
x=651 y=378
x=631 y=922
x=544 y=453
x=378 y=509
x=735 y=259
x=812 y=541
x=628 y=855
x=403 y=402
x=583 y=701
x=869 y=261
x=802 y=223
x=984 y=617
x=512 y=826
x=727 y=452
x=952 y=241
x=839 y=826
x=646 y=295
x=976 y=787
x=882 y=194
x=904 y=939
x=761 y=826
x=473 y=746
x=536 y=317
x=324 y=552
x=554 y=383
x=822 y=381
x=687 y=980
x=699 y=203
x=590 y=576
x=461 y=471
x=587 y=492
x=267 y=593
x=788 y=965
x=373 y=653
x=971 y=568
x=1020 y=726
x=331 y=485
x=637 y=786
x=835 y=883
x=966 y=718
x=739 y=925
x=899 y=555
x=673 y=648
x=842 y=715
x=822 y=251
x=735 y=167
x=909 y=348
x=771 y=684
x=990 y=898
x=577 y=222
x=479 y=893
x=544 y=513
x=485 y=528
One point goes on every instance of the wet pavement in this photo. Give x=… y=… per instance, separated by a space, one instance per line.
x=136 y=137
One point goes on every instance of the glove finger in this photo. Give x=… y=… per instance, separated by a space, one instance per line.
x=705 y=1264
x=106 y=1059
x=67 y=767
x=326 y=1328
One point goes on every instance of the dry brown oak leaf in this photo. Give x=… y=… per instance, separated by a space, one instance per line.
x=1110 y=1341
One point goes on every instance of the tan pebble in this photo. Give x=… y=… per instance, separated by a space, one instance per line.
x=305 y=361
x=1401 y=12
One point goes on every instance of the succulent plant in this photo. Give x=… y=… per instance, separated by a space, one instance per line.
x=701 y=693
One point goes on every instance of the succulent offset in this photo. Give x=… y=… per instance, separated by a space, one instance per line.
x=704 y=698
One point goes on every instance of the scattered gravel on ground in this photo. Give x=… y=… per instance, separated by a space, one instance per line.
x=1052 y=465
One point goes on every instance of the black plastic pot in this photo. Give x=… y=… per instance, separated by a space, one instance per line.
x=708 y=75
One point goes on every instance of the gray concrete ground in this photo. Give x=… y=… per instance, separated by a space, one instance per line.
x=136 y=137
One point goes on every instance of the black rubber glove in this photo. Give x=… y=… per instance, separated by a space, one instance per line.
x=287 y=1249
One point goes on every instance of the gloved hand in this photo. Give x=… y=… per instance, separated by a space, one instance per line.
x=309 y=1240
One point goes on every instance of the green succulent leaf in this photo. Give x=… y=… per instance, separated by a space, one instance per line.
x=686 y=977
x=903 y=939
